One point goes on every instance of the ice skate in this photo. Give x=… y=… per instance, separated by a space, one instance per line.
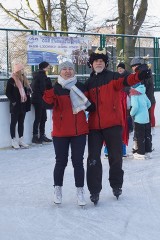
x=94 y=198
x=117 y=191
x=80 y=197
x=15 y=144
x=43 y=138
x=138 y=156
x=36 y=139
x=57 y=194
x=148 y=155
x=22 y=144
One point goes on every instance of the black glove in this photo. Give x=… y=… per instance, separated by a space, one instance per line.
x=48 y=84
x=29 y=91
x=143 y=72
x=91 y=108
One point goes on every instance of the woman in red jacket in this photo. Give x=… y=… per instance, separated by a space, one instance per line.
x=69 y=127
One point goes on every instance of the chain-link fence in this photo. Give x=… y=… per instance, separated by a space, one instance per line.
x=13 y=48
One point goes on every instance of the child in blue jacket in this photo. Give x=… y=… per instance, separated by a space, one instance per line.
x=140 y=105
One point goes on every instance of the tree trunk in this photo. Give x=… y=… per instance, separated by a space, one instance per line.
x=129 y=25
x=64 y=26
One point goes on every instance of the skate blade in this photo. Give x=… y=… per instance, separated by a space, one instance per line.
x=15 y=148
x=24 y=147
x=83 y=207
x=58 y=205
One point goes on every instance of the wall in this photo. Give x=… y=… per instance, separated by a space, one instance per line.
x=5 y=140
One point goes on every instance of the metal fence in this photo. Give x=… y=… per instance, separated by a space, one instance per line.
x=13 y=48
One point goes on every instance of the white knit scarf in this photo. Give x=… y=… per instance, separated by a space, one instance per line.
x=78 y=99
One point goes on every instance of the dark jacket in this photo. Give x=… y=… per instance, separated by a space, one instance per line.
x=65 y=123
x=12 y=92
x=104 y=89
x=150 y=90
x=38 y=86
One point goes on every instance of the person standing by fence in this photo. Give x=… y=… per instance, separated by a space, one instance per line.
x=38 y=87
x=18 y=92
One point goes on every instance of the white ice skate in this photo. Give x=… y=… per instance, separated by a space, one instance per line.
x=80 y=196
x=22 y=143
x=138 y=156
x=148 y=155
x=15 y=144
x=57 y=194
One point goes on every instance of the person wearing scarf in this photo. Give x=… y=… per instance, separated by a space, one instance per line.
x=18 y=92
x=70 y=127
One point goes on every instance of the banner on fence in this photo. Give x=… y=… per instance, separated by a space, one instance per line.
x=55 y=49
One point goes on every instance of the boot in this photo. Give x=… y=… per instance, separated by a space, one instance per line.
x=80 y=196
x=15 y=144
x=135 y=147
x=94 y=198
x=58 y=194
x=117 y=191
x=36 y=139
x=22 y=143
x=45 y=139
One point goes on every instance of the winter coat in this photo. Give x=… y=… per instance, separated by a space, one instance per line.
x=104 y=89
x=140 y=105
x=38 y=86
x=65 y=123
x=150 y=90
x=12 y=92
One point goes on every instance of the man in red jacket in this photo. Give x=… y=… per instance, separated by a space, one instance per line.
x=105 y=123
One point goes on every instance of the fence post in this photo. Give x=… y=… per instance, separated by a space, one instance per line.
x=156 y=47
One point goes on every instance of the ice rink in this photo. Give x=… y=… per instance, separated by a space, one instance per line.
x=27 y=210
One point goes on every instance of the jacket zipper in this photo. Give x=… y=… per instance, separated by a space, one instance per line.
x=76 y=124
x=97 y=104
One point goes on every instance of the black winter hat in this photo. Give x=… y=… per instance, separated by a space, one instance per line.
x=121 y=64
x=98 y=54
x=43 y=65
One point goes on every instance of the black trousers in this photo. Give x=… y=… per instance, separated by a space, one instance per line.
x=144 y=137
x=40 y=119
x=61 y=146
x=17 y=118
x=113 y=139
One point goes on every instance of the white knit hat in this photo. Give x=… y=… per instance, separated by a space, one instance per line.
x=66 y=64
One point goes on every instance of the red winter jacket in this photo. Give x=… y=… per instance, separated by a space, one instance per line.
x=65 y=123
x=104 y=89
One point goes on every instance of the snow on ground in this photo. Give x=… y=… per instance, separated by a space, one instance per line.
x=27 y=211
